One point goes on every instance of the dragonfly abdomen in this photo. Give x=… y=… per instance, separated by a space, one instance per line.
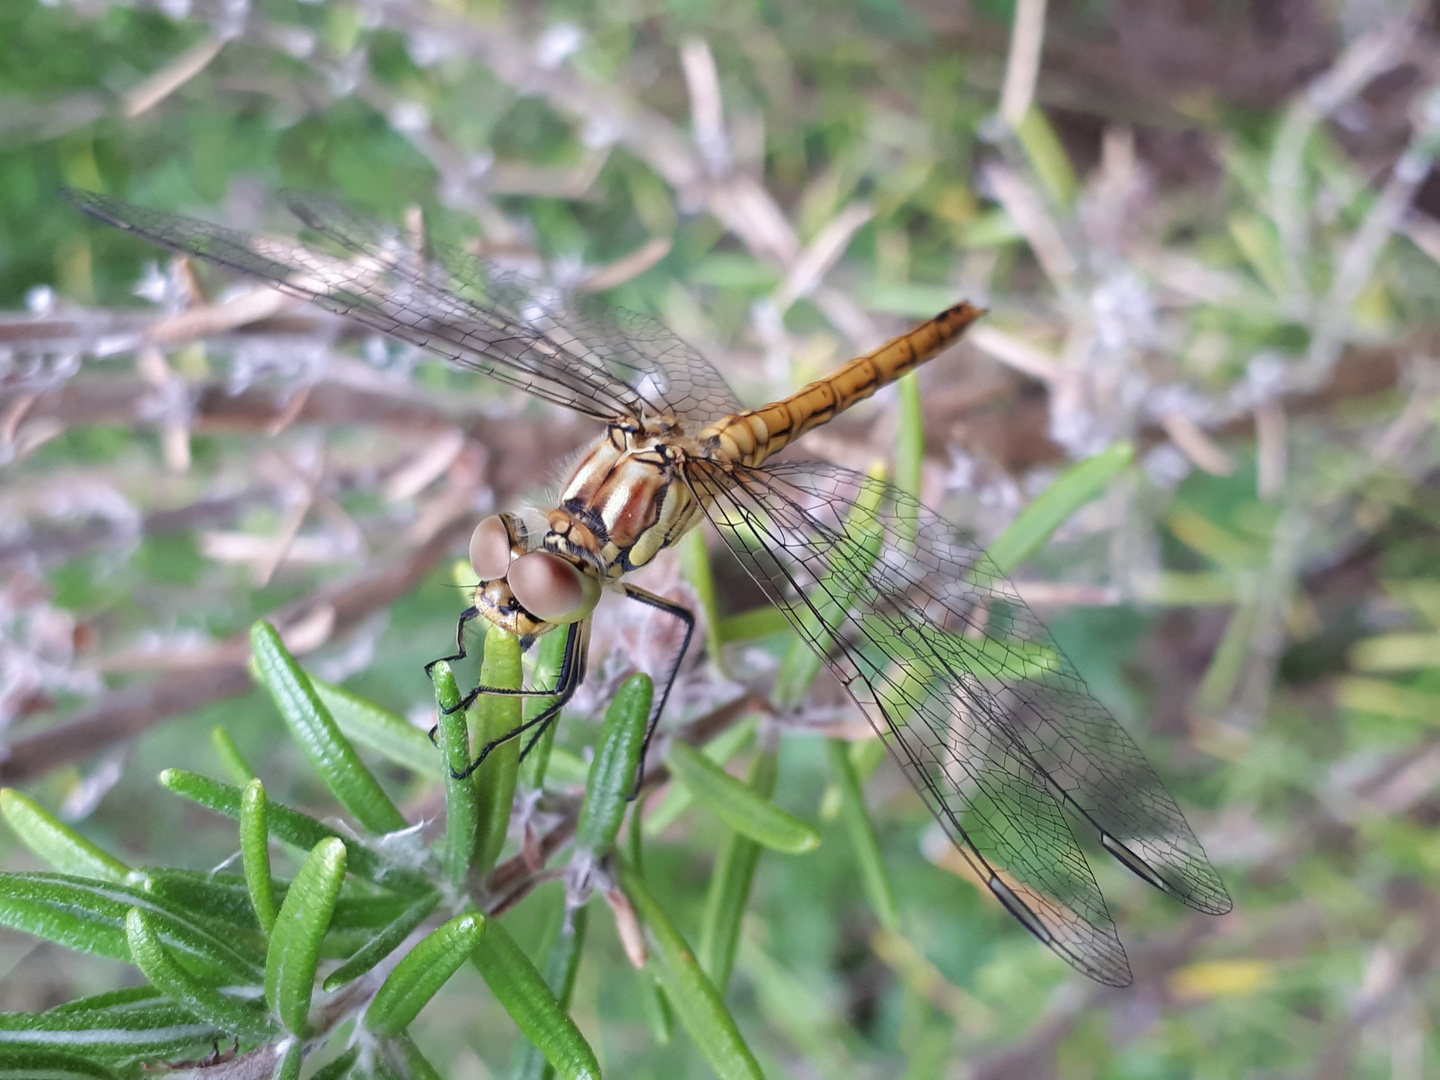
x=752 y=436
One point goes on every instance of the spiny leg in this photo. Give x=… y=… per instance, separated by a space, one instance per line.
x=465 y=616
x=460 y=654
x=686 y=616
x=464 y=703
x=572 y=673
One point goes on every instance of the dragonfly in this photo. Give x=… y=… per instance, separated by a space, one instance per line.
x=981 y=709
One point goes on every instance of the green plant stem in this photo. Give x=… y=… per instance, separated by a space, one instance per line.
x=230 y=756
x=547 y=673
x=730 y=885
x=873 y=874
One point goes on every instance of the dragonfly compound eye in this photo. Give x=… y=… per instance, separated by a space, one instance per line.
x=490 y=548
x=552 y=588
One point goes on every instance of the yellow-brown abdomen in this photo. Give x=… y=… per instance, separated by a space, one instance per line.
x=752 y=436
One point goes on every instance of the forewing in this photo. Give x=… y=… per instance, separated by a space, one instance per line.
x=531 y=336
x=985 y=714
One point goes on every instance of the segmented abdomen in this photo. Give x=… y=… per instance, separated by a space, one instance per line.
x=752 y=436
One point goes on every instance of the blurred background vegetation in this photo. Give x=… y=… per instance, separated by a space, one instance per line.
x=1209 y=227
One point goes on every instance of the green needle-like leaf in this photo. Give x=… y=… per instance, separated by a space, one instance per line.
x=226 y=898
x=1047 y=156
x=295 y=941
x=523 y=992
x=204 y=1002
x=89 y=916
x=462 y=806
x=413 y=1064
x=27 y=1064
x=496 y=716
x=753 y=624
x=124 y=1024
x=418 y=977
x=255 y=853
x=290 y=1065
x=340 y=1067
x=739 y=806
x=319 y=736
x=561 y=965
x=382 y=944
x=701 y=1010
x=658 y=1013
x=865 y=757
x=720 y=749
x=730 y=884
x=566 y=768
x=612 y=773
x=873 y=875
x=291 y=826
x=1032 y=528
x=230 y=756
x=695 y=561
x=55 y=842
x=378 y=729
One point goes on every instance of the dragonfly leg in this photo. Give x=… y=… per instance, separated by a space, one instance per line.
x=465 y=616
x=686 y=616
x=469 y=699
x=572 y=674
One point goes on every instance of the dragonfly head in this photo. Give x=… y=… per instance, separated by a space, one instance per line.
x=524 y=589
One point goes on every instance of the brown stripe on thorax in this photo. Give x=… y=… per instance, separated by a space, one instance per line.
x=752 y=436
x=624 y=504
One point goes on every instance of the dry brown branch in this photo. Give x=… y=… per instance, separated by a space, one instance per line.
x=209 y=319
x=519 y=449
x=171 y=77
x=512 y=880
x=1390 y=980
x=134 y=710
x=50 y=547
x=1191 y=438
x=1022 y=67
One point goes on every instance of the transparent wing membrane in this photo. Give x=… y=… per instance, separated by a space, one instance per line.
x=570 y=351
x=985 y=714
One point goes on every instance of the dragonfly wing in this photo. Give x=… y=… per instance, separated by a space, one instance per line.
x=659 y=373
x=985 y=714
x=522 y=333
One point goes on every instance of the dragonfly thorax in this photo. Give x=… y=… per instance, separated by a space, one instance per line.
x=625 y=502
